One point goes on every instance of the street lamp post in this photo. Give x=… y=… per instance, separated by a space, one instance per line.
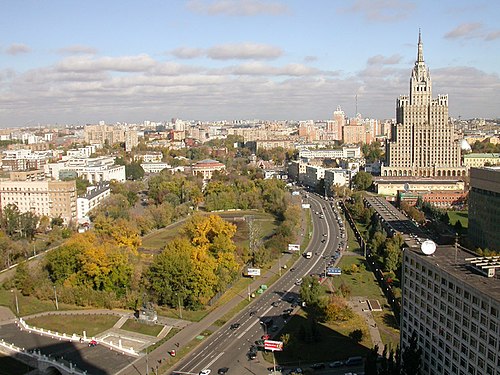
x=179 y=303
x=55 y=296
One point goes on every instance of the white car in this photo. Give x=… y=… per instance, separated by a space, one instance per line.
x=205 y=372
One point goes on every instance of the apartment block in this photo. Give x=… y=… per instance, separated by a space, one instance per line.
x=44 y=198
x=451 y=300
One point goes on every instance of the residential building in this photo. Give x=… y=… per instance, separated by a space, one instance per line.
x=451 y=301
x=94 y=170
x=423 y=141
x=94 y=196
x=22 y=160
x=389 y=186
x=44 y=198
x=484 y=208
x=345 y=152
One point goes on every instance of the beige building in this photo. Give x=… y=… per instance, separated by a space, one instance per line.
x=100 y=134
x=206 y=168
x=481 y=160
x=423 y=141
x=390 y=186
x=43 y=198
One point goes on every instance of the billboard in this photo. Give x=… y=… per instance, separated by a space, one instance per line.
x=253 y=271
x=333 y=271
x=293 y=247
x=295 y=193
x=273 y=345
x=306 y=205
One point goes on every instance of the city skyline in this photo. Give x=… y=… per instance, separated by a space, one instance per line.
x=79 y=63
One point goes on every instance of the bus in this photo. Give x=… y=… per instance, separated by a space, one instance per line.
x=308 y=255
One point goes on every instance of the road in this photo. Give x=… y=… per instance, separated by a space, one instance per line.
x=229 y=347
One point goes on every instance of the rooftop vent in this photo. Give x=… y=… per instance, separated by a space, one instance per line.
x=485 y=265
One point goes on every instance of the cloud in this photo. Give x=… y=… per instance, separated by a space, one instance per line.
x=187 y=52
x=310 y=59
x=17 y=49
x=379 y=59
x=77 y=49
x=465 y=30
x=135 y=88
x=472 y=30
x=238 y=7
x=381 y=10
x=244 y=51
x=492 y=36
x=117 y=64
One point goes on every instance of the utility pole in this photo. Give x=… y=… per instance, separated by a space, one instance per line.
x=55 y=295
x=180 y=306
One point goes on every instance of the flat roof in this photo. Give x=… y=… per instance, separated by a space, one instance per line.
x=453 y=262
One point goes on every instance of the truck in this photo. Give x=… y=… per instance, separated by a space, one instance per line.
x=308 y=255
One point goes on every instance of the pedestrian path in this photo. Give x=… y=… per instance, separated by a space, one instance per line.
x=360 y=307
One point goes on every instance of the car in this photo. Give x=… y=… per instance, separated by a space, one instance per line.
x=276 y=303
x=292 y=269
x=252 y=355
x=234 y=326
x=205 y=372
x=287 y=311
x=92 y=342
x=253 y=312
x=259 y=342
x=223 y=370
x=325 y=234
x=275 y=368
x=318 y=366
x=336 y=364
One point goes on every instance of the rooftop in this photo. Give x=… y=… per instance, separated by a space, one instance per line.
x=457 y=262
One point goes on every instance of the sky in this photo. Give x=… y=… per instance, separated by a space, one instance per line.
x=80 y=62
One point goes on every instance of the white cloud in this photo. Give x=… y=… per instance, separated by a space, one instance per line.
x=381 y=10
x=244 y=51
x=134 y=88
x=77 y=49
x=238 y=7
x=119 y=64
x=382 y=60
x=187 y=53
x=17 y=49
x=465 y=30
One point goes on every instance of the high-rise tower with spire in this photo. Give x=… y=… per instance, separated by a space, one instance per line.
x=423 y=141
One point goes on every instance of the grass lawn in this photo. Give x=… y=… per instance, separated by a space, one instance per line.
x=30 y=305
x=463 y=216
x=69 y=324
x=362 y=283
x=333 y=342
x=387 y=326
x=144 y=328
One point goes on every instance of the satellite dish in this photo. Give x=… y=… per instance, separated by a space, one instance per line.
x=428 y=247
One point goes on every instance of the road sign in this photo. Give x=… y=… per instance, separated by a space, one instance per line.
x=253 y=271
x=333 y=271
x=273 y=345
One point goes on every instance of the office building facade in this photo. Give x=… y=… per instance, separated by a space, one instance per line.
x=451 y=300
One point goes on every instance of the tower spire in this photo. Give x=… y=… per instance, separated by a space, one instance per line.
x=420 y=55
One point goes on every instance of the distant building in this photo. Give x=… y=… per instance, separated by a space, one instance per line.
x=206 y=168
x=441 y=199
x=93 y=198
x=484 y=208
x=423 y=141
x=389 y=186
x=451 y=300
x=340 y=153
x=481 y=160
x=43 y=198
x=94 y=170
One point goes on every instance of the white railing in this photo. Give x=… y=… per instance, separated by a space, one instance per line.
x=74 y=337
x=69 y=368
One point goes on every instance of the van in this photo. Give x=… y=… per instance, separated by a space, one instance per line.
x=353 y=361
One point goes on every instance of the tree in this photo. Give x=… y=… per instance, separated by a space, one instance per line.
x=362 y=180
x=371 y=361
x=411 y=357
x=356 y=335
x=134 y=171
x=310 y=291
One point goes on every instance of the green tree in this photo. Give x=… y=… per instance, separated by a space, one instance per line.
x=311 y=291
x=362 y=180
x=356 y=335
x=411 y=357
x=134 y=171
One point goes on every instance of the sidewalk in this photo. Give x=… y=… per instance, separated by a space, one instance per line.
x=360 y=307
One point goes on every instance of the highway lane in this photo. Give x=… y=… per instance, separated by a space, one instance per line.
x=228 y=347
